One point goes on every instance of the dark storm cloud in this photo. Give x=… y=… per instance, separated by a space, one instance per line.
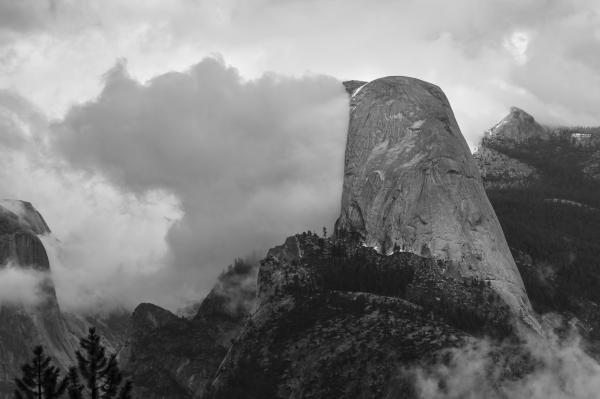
x=250 y=161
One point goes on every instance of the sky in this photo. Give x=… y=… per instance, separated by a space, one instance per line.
x=162 y=139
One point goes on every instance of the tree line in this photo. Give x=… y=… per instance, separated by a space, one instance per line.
x=95 y=376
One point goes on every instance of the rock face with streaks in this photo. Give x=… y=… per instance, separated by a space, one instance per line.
x=38 y=320
x=35 y=318
x=410 y=183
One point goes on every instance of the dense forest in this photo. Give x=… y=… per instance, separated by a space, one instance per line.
x=343 y=264
x=552 y=225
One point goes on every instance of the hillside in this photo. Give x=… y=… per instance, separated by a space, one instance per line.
x=551 y=221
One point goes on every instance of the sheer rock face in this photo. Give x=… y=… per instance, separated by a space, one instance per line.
x=20 y=225
x=23 y=234
x=26 y=215
x=410 y=182
x=24 y=325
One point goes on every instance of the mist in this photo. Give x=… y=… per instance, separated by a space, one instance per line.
x=21 y=286
x=549 y=367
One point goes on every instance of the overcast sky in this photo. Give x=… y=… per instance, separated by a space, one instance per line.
x=162 y=138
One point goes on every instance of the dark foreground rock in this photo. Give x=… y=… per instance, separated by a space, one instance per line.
x=337 y=319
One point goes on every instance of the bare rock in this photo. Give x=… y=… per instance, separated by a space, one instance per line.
x=516 y=128
x=410 y=182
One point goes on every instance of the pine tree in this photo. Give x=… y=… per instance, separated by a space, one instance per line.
x=75 y=389
x=101 y=376
x=41 y=380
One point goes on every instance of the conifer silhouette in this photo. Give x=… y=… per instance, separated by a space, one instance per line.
x=41 y=379
x=100 y=374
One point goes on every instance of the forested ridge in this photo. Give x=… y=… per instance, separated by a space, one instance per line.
x=553 y=225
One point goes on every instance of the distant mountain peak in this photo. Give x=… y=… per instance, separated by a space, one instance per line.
x=520 y=113
x=516 y=127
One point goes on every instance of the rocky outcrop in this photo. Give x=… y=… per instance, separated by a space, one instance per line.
x=24 y=325
x=516 y=128
x=168 y=356
x=20 y=225
x=173 y=357
x=38 y=321
x=337 y=319
x=411 y=183
x=26 y=215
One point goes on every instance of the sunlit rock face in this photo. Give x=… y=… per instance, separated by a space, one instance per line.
x=410 y=183
x=517 y=127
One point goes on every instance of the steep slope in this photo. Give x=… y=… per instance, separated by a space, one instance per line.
x=35 y=318
x=516 y=128
x=551 y=222
x=410 y=182
x=418 y=265
x=173 y=357
x=169 y=356
x=24 y=325
x=336 y=319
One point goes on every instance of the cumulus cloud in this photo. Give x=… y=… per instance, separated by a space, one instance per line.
x=250 y=161
x=21 y=286
x=112 y=245
x=152 y=189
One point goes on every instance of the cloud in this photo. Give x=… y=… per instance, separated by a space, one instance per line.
x=21 y=286
x=159 y=132
x=251 y=162
x=152 y=189
x=112 y=248
x=25 y=15
x=542 y=368
x=473 y=50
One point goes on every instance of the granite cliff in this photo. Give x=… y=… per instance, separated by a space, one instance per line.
x=39 y=321
x=411 y=183
x=24 y=325
x=418 y=266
